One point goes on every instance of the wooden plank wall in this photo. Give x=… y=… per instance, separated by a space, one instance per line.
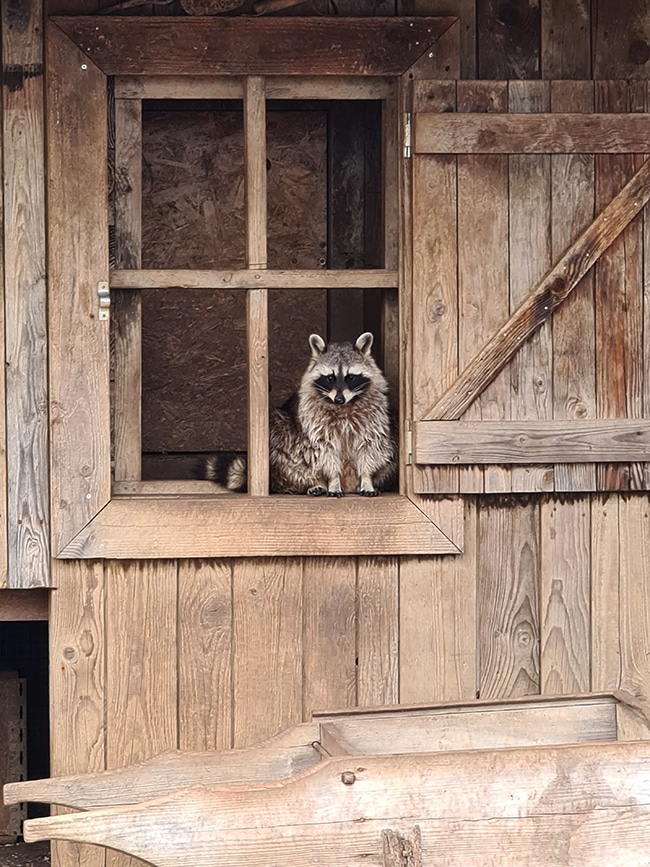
x=550 y=595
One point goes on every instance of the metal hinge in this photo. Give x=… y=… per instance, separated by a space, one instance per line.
x=409 y=442
x=407 y=135
x=104 y=295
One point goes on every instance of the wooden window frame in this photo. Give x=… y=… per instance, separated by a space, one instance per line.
x=167 y=57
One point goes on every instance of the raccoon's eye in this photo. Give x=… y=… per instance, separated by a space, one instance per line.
x=330 y=378
x=353 y=379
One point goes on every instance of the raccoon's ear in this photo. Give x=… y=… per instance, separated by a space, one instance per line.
x=317 y=345
x=364 y=343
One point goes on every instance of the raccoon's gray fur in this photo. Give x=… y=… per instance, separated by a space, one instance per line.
x=334 y=435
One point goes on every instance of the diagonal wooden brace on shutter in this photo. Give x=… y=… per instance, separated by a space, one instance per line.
x=548 y=294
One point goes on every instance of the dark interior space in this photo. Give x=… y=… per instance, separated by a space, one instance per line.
x=24 y=649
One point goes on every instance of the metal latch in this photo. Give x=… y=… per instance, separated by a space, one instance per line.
x=104 y=295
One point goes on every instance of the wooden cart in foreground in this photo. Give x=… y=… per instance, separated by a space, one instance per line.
x=534 y=781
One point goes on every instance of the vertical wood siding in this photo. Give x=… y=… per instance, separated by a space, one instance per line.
x=25 y=549
x=550 y=595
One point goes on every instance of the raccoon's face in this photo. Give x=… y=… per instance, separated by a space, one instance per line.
x=340 y=372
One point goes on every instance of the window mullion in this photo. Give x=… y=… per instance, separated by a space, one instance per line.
x=127 y=306
x=257 y=299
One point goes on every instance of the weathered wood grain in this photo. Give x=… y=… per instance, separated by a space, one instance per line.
x=529 y=193
x=25 y=534
x=465 y=10
x=232 y=526
x=565 y=616
x=329 y=634
x=254 y=46
x=605 y=649
x=434 y=351
x=483 y=269
x=618 y=292
x=634 y=610
x=565 y=38
x=318 y=813
x=141 y=677
x=204 y=654
x=126 y=396
x=277 y=87
x=620 y=39
x=519 y=442
x=281 y=756
x=546 y=296
x=508 y=609
x=475 y=728
x=77 y=685
x=78 y=261
x=574 y=351
x=141 y=660
x=531 y=133
x=438 y=623
x=371 y=278
x=435 y=294
x=257 y=314
x=378 y=595
x=508 y=39
x=267 y=648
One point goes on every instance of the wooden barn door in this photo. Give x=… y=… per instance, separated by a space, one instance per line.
x=531 y=327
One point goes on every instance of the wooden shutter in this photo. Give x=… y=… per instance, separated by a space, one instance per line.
x=531 y=328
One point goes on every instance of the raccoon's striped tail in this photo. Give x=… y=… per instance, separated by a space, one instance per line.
x=228 y=469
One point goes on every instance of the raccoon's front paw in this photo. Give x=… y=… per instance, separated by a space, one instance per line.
x=316 y=491
x=371 y=493
x=335 y=494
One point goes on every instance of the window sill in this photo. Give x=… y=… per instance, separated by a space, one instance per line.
x=182 y=526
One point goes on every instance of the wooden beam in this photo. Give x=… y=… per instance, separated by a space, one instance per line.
x=287 y=753
x=518 y=801
x=238 y=526
x=27 y=435
x=298 y=279
x=465 y=133
x=531 y=442
x=257 y=300
x=126 y=405
x=232 y=87
x=549 y=293
x=77 y=263
x=254 y=46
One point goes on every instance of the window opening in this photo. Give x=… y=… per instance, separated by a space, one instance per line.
x=319 y=206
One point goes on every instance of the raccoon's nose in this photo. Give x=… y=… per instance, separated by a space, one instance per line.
x=339 y=398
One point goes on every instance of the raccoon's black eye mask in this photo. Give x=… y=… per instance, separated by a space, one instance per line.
x=355 y=382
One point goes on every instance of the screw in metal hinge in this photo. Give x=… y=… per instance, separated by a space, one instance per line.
x=104 y=296
x=407 y=134
x=409 y=442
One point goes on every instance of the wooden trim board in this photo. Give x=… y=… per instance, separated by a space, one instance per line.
x=531 y=442
x=254 y=279
x=87 y=522
x=539 y=133
x=253 y=46
x=232 y=87
x=242 y=526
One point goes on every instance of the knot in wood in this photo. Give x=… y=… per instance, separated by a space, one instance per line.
x=557 y=287
x=348 y=778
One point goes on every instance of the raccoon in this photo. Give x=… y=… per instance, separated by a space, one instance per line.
x=334 y=435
